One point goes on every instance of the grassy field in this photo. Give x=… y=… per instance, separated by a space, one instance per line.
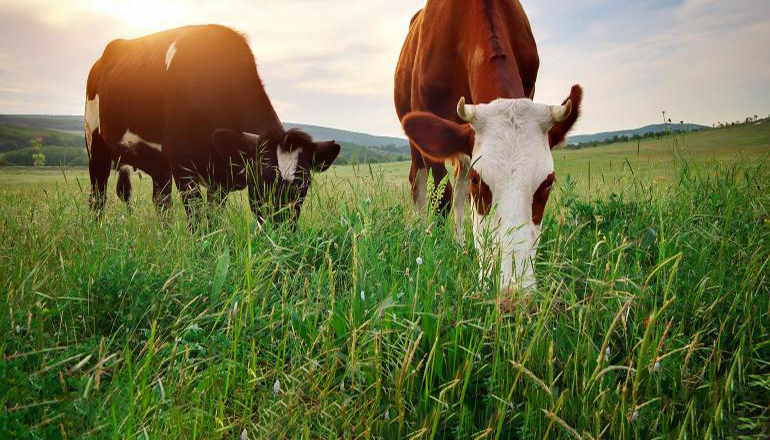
x=651 y=318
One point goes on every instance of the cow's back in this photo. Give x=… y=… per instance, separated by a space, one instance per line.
x=454 y=46
x=405 y=68
x=129 y=80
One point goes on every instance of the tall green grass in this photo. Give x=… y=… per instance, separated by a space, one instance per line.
x=651 y=318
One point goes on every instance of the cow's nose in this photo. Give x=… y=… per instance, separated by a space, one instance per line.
x=516 y=298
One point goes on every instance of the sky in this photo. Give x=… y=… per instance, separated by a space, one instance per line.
x=331 y=62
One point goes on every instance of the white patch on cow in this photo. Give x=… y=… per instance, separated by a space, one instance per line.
x=91 y=121
x=287 y=163
x=421 y=190
x=131 y=140
x=170 y=54
x=513 y=158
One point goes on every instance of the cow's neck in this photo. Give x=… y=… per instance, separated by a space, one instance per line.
x=490 y=79
x=260 y=117
x=493 y=70
x=482 y=44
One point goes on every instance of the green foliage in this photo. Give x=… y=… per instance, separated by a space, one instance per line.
x=54 y=156
x=38 y=157
x=650 y=321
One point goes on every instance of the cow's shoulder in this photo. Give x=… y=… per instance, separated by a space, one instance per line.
x=417 y=15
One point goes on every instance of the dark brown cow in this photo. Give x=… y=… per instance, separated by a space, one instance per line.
x=188 y=103
x=482 y=53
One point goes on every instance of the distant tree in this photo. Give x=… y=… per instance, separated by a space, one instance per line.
x=38 y=158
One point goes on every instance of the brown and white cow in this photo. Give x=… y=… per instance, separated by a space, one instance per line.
x=482 y=53
x=188 y=103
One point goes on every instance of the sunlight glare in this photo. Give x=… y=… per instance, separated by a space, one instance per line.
x=144 y=16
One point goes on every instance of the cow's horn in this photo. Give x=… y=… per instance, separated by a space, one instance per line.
x=466 y=112
x=560 y=113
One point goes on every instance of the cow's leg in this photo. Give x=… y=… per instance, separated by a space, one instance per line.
x=161 y=191
x=99 y=167
x=462 y=167
x=418 y=180
x=217 y=197
x=190 y=192
x=257 y=205
x=124 y=185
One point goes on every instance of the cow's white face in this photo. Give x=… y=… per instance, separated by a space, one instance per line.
x=504 y=149
x=511 y=162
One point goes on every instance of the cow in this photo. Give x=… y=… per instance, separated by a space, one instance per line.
x=464 y=86
x=188 y=104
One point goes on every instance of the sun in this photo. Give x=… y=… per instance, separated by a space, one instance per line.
x=143 y=15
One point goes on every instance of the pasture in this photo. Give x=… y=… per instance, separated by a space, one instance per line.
x=651 y=318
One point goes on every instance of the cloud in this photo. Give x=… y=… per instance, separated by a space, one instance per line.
x=327 y=51
x=331 y=62
x=698 y=59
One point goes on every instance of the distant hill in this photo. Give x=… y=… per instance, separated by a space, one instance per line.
x=74 y=124
x=63 y=141
x=646 y=130
x=60 y=148
x=363 y=139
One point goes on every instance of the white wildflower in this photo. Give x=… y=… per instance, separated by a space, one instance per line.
x=244 y=435
x=656 y=367
x=18 y=329
x=363 y=297
x=387 y=414
x=419 y=261
x=635 y=416
x=277 y=387
x=607 y=352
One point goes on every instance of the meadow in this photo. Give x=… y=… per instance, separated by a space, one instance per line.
x=650 y=319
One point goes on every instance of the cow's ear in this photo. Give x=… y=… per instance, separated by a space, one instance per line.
x=438 y=138
x=559 y=132
x=233 y=146
x=324 y=155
